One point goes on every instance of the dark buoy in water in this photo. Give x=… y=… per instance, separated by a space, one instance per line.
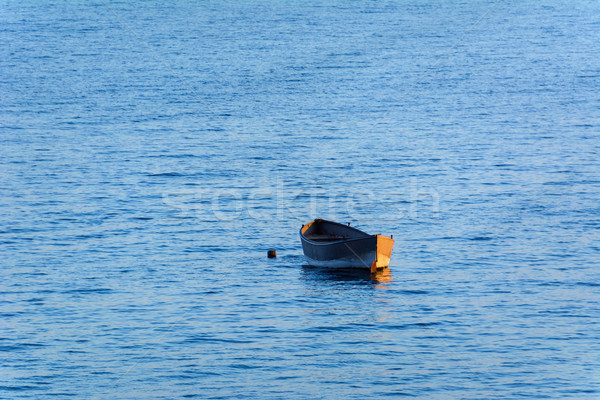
x=271 y=254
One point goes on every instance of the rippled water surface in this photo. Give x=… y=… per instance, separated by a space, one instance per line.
x=152 y=152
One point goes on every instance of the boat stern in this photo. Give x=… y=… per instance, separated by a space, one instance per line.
x=385 y=245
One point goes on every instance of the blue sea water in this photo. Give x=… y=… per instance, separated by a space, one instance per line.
x=152 y=152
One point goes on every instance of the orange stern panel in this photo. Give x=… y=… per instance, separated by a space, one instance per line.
x=384 y=250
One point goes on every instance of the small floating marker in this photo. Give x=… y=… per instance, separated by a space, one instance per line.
x=271 y=254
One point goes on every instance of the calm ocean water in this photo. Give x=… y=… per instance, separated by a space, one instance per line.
x=152 y=152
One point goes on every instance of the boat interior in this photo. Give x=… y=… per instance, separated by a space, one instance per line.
x=323 y=231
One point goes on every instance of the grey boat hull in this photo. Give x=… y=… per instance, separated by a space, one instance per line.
x=329 y=244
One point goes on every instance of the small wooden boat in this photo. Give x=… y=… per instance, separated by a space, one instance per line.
x=329 y=244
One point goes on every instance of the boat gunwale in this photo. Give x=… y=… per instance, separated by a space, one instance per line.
x=326 y=243
x=334 y=241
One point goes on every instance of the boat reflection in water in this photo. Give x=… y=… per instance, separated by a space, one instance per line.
x=347 y=275
x=382 y=276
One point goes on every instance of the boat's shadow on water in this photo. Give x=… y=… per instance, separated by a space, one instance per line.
x=345 y=275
